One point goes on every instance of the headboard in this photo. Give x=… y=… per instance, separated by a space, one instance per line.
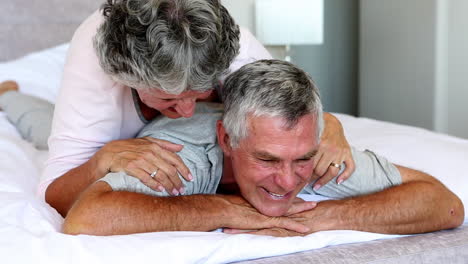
x=31 y=25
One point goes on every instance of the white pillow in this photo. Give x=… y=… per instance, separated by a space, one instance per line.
x=38 y=73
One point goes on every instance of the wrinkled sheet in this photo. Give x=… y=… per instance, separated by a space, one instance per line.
x=30 y=228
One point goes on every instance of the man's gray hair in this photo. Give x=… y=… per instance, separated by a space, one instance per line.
x=268 y=88
x=172 y=45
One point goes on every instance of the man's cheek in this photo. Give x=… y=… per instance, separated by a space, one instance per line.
x=305 y=172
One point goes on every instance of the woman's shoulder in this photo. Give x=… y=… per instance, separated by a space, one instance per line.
x=250 y=50
x=81 y=44
x=82 y=69
x=90 y=25
x=250 y=47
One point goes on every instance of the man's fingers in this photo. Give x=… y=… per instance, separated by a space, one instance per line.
x=292 y=225
x=276 y=232
x=301 y=207
x=235 y=231
x=298 y=200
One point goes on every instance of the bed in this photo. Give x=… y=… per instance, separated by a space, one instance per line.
x=30 y=229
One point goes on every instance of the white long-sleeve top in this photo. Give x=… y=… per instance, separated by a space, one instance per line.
x=92 y=110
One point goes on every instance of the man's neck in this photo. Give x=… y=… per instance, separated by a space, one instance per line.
x=228 y=184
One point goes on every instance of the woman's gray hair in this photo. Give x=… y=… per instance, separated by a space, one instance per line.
x=172 y=45
x=269 y=88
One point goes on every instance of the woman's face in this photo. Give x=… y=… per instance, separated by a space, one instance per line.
x=171 y=105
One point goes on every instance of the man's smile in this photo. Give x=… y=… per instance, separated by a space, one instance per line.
x=276 y=196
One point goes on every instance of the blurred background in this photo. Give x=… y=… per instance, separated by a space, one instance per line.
x=399 y=61
x=393 y=60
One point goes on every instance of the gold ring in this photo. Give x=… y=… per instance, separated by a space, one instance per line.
x=336 y=165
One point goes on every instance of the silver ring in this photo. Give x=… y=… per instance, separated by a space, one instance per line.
x=153 y=174
x=336 y=165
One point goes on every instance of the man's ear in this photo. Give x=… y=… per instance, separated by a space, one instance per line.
x=223 y=138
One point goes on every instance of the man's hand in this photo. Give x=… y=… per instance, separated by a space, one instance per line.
x=333 y=149
x=138 y=213
x=245 y=217
x=276 y=232
x=299 y=206
x=420 y=204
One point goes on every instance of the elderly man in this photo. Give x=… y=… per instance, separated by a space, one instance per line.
x=269 y=134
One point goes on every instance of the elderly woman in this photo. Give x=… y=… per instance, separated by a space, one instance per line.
x=136 y=59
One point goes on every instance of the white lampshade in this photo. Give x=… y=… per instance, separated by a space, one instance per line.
x=289 y=22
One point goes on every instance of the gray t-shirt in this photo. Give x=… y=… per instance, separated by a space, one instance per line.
x=201 y=153
x=204 y=158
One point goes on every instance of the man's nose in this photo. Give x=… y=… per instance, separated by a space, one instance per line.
x=287 y=179
x=186 y=107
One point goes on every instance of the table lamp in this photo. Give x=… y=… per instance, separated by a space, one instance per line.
x=291 y=22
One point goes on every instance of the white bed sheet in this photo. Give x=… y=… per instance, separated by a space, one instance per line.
x=30 y=229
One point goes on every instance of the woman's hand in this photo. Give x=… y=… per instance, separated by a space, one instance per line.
x=152 y=161
x=334 y=152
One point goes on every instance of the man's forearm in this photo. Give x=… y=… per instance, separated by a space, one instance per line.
x=105 y=212
x=413 y=207
x=101 y=211
x=63 y=191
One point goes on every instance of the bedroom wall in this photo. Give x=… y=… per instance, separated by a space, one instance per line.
x=397 y=56
x=413 y=63
x=334 y=64
x=30 y=25
x=458 y=68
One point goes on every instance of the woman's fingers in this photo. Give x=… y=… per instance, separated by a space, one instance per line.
x=323 y=172
x=325 y=156
x=167 y=175
x=331 y=162
x=145 y=178
x=142 y=157
x=331 y=173
x=168 y=166
x=350 y=166
x=162 y=178
x=171 y=158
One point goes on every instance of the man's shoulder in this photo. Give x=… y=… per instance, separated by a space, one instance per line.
x=201 y=127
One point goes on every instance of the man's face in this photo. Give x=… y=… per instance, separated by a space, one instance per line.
x=273 y=163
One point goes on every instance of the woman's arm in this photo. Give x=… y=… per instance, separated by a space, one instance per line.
x=333 y=148
x=137 y=157
x=92 y=115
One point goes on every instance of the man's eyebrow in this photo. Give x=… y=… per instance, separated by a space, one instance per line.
x=265 y=155
x=269 y=156
x=310 y=154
